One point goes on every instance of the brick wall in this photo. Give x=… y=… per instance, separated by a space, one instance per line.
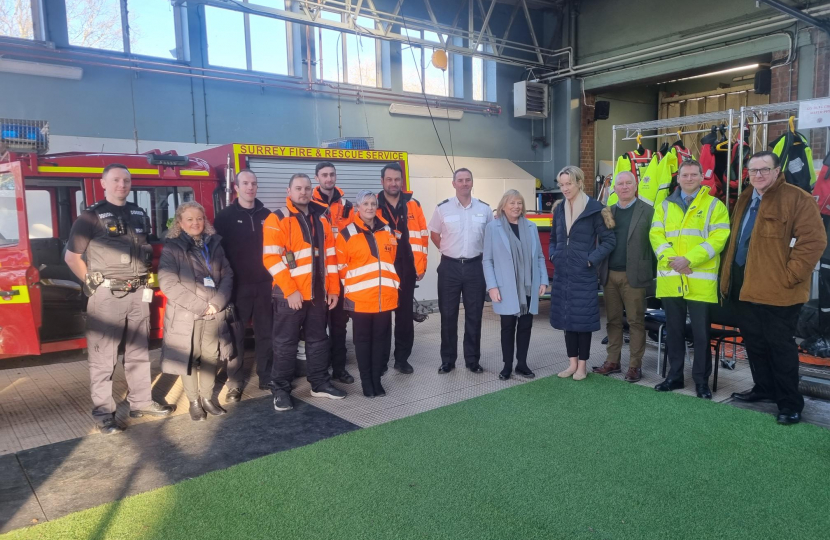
x=586 y=143
x=786 y=89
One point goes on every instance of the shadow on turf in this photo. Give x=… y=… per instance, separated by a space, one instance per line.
x=78 y=474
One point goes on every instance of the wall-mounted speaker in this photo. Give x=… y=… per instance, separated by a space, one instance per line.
x=763 y=81
x=601 y=110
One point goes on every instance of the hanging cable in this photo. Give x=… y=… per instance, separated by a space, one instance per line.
x=424 y=93
x=359 y=43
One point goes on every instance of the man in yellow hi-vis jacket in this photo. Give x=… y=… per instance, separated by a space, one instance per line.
x=689 y=230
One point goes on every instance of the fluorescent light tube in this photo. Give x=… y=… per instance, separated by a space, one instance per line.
x=39 y=69
x=416 y=110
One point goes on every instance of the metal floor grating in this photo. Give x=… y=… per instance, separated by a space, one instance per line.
x=46 y=400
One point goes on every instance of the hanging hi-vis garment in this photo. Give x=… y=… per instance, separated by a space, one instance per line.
x=821 y=191
x=796 y=159
x=340 y=211
x=653 y=185
x=699 y=234
x=366 y=263
x=293 y=244
x=634 y=162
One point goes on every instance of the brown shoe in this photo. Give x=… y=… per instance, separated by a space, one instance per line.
x=608 y=368
x=634 y=374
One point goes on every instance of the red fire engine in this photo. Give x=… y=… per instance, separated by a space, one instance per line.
x=41 y=302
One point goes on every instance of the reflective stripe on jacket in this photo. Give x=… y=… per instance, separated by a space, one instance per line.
x=699 y=235
x=416 y=225
x=286 y=235
x=340 y=211
x=366 y=262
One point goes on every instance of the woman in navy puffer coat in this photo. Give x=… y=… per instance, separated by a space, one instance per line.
x=580 y=240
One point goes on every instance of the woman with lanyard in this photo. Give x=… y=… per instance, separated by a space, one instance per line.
x=197 y=280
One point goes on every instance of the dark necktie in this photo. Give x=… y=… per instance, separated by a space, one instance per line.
x=743 y=244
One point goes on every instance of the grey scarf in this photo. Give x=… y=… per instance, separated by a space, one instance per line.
x=521 y=250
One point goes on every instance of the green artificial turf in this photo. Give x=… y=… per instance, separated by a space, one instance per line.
x=555 y=458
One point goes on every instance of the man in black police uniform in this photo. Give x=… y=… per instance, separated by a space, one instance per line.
x=108 y=251
x=240 y=226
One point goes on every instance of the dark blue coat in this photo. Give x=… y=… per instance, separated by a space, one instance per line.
x=574 y=304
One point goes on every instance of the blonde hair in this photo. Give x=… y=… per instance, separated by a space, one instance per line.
x=175 y=230
x=510 y=194
x=576 y=175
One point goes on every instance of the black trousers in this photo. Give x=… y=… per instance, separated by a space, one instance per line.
x=457 y=280
x=770 y=347
x=404 y=323
x=676 y=338
x=338 y=320
x=204 y=359
x=515 y=329
x=372 y=335
x=253 y=300
x=578 y=344
x=288 y=323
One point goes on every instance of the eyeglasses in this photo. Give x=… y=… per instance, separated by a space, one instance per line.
x=754 y=172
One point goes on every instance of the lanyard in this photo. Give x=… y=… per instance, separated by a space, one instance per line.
x=392 y=217
x=206 y=257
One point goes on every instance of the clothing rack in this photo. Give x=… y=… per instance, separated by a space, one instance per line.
x=761 y=116
x=753 y=116
x=679 y=126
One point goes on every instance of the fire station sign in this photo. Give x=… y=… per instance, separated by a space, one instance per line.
x=814 y=113
x=319 y=153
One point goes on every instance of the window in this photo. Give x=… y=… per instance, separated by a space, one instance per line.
x=419 y=75
x=345 y=57
x=484 y=76
x=231 y=34
x=39 y=213
x=160 y=203
x=152 y=28
x=95 y=24
x=16 y=19
x=9 y=226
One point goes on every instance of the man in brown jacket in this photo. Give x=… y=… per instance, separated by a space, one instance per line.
x=777 y=239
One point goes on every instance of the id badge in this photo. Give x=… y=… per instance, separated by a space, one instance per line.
x=147 y=295
x=398 y=235
x=316 y=252
x=209 y=282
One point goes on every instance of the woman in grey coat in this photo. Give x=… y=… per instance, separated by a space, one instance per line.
x=197 y=280
x=515 y=273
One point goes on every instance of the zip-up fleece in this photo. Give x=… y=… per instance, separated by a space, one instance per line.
x=241 y=232
x=366 y=262
x=340 y=211
x=294 y=244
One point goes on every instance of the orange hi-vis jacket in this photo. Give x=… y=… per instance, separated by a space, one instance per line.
x=291 y=247
x=340 y=211
x=416 y=225
x=366 y=261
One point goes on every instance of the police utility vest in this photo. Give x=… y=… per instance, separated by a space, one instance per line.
x=119 y=249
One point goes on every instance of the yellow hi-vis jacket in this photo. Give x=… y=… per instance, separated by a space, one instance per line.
x=653 y=186
x=699 y=235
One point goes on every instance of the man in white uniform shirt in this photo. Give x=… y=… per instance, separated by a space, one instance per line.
x=457 y=230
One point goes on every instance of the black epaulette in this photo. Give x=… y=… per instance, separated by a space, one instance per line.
x=418 y=203
x=281 y=213
x=444 y=202
x=93 y=206
x=484 y=203
x=347 y=208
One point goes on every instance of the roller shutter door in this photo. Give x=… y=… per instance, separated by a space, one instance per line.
x=273 y=175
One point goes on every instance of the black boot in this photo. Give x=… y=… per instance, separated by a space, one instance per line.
x=525 y=371
x=197 y=413
x=506 y=372
x=368 y=388
x=212 y=407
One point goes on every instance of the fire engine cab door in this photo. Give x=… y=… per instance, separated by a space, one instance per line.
x=19 y=303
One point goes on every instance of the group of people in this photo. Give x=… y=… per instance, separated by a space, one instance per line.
x=301 y=272
x=770 y=248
